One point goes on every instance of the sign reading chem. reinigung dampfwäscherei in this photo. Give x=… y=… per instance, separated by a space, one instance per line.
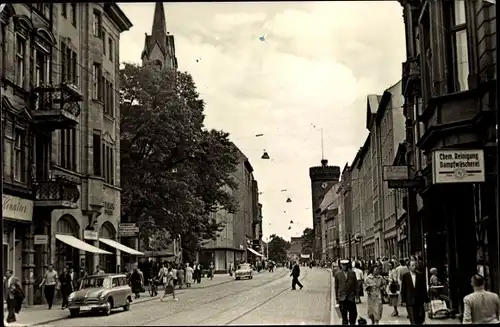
x=458 y=166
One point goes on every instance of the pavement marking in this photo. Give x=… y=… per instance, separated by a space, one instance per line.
x=259 y=305
x=204 y=301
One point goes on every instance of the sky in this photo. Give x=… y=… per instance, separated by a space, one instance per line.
x=313 y=72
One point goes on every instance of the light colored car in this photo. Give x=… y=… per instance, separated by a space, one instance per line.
x=101 y=293
x=244 y=271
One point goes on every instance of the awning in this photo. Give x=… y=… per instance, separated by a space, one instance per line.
x=305 y=256
x=254 y=252
x=79 y=244
x=120 y=246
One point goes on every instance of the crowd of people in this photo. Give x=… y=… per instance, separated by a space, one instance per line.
x=403 y=283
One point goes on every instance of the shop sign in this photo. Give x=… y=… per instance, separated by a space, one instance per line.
x=109 y=208
x=128 y=229
x=17 y=208
x=41 y=239
x=458 y=166
x=90 y=235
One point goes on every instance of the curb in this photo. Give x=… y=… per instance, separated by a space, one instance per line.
x=146 y=300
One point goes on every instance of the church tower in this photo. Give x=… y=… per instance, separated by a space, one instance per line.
x=159 y=47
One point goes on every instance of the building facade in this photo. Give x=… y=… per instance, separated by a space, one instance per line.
x=61 y=145
x=331 y=225
x=239 y=241
x=450 y=106
x=322 y=179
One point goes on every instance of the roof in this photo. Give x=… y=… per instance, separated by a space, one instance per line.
x=330 y=197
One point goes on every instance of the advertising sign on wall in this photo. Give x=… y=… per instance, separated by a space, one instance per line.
x=17 y=208
x=458 y=166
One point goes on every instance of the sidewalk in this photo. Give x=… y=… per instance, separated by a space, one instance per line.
x=40 y=315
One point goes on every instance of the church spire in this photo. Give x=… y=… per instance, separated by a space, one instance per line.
x=159 y=28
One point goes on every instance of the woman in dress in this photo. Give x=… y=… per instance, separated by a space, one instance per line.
x=169 y=287
x=189 y=275
x=359 y=277
x=374 y=285
x=136 y=282
x=393 y=288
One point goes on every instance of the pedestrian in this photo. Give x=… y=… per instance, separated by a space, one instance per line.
x=414 y=294
x=13 y=294
x=66 y=286
x=211 y=270
x=83 y=273
x=295 y=276
x=481 y=306
x=180 y=276
x=98 y=270
x=169 y=286
x=359 y=281
x=230 y=269
x=375 y=285
x=345 y=293
x=189 y=275
x=136 y=282
x=198 y=271
x=174 y=274
x=393 y=289
x=50 y=281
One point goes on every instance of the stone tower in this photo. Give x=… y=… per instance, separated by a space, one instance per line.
x=159 y=47
x=322 y=179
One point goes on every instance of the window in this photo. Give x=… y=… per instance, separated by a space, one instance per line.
x=4 y=49
x=459 y=47
x=41 y=67
x=107 y=152
x=97 y=153
x=97 y=24
x=97 y=81
x=68 y=148
x=64 y=10
x=68 y=64
x=19 y=164
x=20 y=55
x=109 y=98
x=110 y=46
x=103 y=42
x=73 y=14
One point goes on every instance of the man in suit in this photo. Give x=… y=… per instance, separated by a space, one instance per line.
x=13 y=294
x=295 y=276
x=345 y=293
x=414 y=294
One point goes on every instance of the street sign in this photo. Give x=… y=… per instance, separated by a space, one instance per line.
x=128 y=229
x=458 y=166
x=392 y=173
x=41 y=239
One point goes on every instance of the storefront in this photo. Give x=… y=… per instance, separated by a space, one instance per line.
x=65 y=253
x=17 y=237
x=115 y=262
x=108 y=263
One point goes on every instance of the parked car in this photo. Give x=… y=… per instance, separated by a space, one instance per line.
x=101 y=293
x=244 y=271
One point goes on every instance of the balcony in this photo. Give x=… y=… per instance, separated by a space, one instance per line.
x=411 y=79
x=56 y=107
x=59 y=193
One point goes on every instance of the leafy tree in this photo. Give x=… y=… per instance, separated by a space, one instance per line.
x=308 y=241
x=277 y=248
x=174 y=172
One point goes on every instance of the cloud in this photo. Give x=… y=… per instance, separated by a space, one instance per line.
x=313 y=71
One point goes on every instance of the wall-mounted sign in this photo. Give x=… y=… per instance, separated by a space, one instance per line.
x=90 y=235
x=128 y=229
x=392 y=173
x=41 y=239
x=109 y=208
x=457 y=166
x=17 y=208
